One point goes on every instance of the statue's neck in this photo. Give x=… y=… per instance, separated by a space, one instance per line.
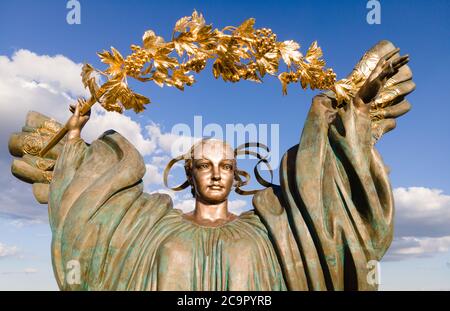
x=212 y=215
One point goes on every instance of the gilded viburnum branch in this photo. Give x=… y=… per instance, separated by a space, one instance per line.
x=239 y=53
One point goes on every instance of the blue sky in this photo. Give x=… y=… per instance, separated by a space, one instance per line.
x=417 y=151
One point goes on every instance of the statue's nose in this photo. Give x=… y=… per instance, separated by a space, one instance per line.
x=216 y=174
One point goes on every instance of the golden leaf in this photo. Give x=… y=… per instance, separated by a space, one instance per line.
x=207 y=39
x=112 y=92
x=179 y=79
x=114 y=60
x=271 y=55
x=343 y=89
x=261 y=65
x=117 y=96
x=184 y=42
x=197 y=21
x=217 y=68
x=289 y=52
x=193 y=22
x=283 y=77
x=163 y=62
x=159 y=77
x=182 y=24
x=268 y=63
x=314 y=52
x=86 y=72
x=88 y=79
x=151 y=41
x=245 y=28
x=135 y=101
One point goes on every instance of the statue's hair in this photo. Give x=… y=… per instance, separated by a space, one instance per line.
x=239 y=182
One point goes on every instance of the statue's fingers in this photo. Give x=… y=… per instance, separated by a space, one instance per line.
x=28 y=173
x=81 y=101
x=38 y=162
x=405 y=88
x=41 y=192
x=399 y=62
x=36 y=120
x=400 y=59
x=387 y=71
x=15 y=144
x=72 y=108
x=393 y=94
x=23 y=143
x=88 y=113
x=391 y=54
x=398 y=110
x=381 y=127
x=77 y=109
x=402 y=63
x=83 y=106
x=404 y=74
x=377 y=114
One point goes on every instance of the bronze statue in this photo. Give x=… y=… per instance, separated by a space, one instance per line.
x=331 y=214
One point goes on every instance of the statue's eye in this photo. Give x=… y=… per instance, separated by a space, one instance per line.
x=228 y=167
x=203 y=166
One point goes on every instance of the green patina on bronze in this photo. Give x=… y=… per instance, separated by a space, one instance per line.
x=330 y=216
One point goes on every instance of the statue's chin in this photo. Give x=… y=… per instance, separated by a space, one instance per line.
x=213 y=199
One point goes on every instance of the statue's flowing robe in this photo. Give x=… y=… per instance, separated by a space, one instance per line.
x=321 y=229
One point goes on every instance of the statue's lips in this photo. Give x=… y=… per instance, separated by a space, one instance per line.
x=215 y=187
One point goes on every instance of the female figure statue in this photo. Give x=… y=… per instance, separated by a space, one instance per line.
x=331 y=215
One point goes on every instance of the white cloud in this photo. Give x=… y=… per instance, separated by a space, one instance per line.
x=421 y=223
x=102 y=121
x=234 y=206
x=16 y=198
x=170 y=143
x=185 y=205
x=48 y=84
x=152 y=175
x=20 y=223
x=7 y=251
x=417 y=200
x=422 y=212
x=58 y=72
x=238 y=206
x=413 y=247
x=30 y=270
x=24 y=271
x=36 y=82
x=171 y=193
x=160 y=161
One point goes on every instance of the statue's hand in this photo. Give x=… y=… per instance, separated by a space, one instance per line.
x=26 y=145
x=77 y=121
x=386 y=67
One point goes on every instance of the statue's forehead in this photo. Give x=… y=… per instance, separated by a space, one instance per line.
x=215 y=150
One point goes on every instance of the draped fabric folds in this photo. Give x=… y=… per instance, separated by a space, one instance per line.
x=119 y=238
x=331 y=218
x=320 y=229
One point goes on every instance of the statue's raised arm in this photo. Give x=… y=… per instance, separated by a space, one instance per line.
x=99 y=214
x=323 y=228
x=332 y=216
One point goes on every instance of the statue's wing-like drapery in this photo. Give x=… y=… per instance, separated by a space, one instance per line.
x=331 y=219
x=108 y=234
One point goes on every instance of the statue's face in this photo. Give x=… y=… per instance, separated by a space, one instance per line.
x=212 y=173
